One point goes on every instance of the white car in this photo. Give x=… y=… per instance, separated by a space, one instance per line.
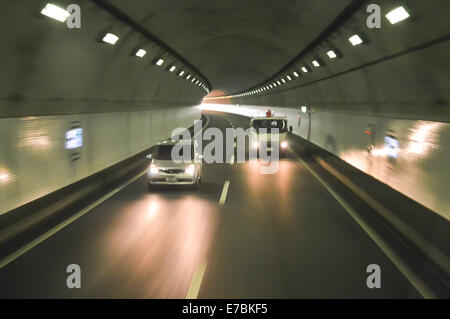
x=263 y=133
x=163 y=170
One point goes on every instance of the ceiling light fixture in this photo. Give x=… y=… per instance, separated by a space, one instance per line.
x=355 y=40
x=55 y=12
x=110 y=38
x=141 y=53
x=397 y=15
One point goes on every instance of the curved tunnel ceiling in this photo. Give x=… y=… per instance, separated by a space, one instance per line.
x=235 y=44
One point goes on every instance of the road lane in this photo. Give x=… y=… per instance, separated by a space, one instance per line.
x=276 y=236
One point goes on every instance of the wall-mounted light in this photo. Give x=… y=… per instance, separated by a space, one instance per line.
x=181 y=73
x=188 y=77
x=110 y=38
x=141 y=53
x=355 y=40
x=55 y=12
x=304 y=109
x=397 y=15
x=172 y=68
x=304 y=69
x=283 y=80
x=289 y=77
x=296 y=74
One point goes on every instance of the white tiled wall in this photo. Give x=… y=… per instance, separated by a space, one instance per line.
x=422 y=169
x=34 y=161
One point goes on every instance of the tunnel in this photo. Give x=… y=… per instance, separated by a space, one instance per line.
x=352 y=102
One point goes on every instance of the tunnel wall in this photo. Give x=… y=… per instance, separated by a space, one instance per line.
x=35 y=162
x=54 y=78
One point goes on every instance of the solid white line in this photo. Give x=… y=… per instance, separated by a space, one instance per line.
x=196 y=282
x=409 y=274
x=223 y=197
x=65 y=223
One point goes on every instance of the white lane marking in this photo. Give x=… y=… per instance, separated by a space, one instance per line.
x=409 y=274
x=65 y=223
x=223 y=197
x=203 y=127
x=232 y=160
x=423 y=244
x=196 y=282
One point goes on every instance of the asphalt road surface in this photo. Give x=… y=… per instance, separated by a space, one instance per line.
x=273 y=236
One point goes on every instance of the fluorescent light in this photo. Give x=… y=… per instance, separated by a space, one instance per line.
x=159 y=62
x=316 y=63
x=397 y=15
x=355 y=40
x=141 y=53
x=304 y=69
x=188 y=77
x=331 y=54
x=55 y=12
x=304 y=109
x=278 y=82
x=172 y=68
x=181 y=73
x=110 y=38
x=296 y=74
x=289 y=77
x=283 y=80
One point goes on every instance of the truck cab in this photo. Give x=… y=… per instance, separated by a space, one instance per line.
x=264 y=131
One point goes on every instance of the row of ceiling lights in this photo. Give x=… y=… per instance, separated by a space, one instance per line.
x=394 y=16
x=61 y=15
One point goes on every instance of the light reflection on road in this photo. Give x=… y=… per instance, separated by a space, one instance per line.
x=154 y=247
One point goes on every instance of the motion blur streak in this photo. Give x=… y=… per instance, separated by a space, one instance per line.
x=154 y=247
x=423 y=138
x=4 y=175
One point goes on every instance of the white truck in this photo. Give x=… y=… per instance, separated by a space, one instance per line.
x=264 y=131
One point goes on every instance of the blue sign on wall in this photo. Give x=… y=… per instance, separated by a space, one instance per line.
x=74 y=138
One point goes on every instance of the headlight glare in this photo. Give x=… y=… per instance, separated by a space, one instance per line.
x=154 y=169
x=190 y=170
